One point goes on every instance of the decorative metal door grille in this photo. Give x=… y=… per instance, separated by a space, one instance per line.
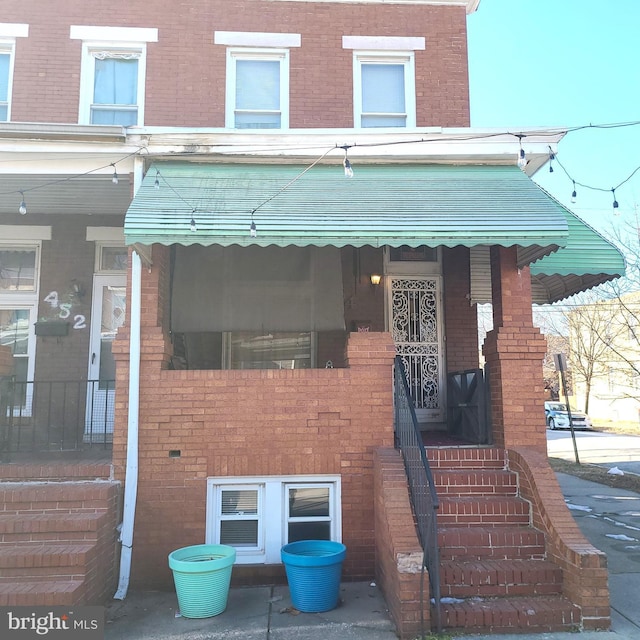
x=414 y=320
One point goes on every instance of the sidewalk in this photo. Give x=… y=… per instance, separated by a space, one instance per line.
x=609 y=518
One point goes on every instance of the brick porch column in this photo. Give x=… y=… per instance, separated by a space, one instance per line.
x=514 y=351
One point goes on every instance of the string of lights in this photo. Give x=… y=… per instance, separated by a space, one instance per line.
x=521 y=161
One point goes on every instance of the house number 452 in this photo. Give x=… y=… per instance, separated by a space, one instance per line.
x=79 y=321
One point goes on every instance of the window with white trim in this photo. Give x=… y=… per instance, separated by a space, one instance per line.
x=112 y=77
x=384 y=89
x=19 y=268
x=6 y=68
x=9 y=31
x=258 y=516
x=257 y=89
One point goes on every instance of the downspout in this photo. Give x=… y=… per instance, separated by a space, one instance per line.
x=131 y=470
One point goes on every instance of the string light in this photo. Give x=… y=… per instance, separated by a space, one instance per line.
x=348 y=170
x=192 y=224
x=156 y=183
x=574 y=195
x=22 y=209
x=552 y=157
x=615 y=202
x=253 y=230
x=114 y=178
x=522 y=159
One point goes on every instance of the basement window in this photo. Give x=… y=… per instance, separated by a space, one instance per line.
x=257 y=516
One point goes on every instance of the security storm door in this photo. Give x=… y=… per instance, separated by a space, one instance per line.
x=416 y=329
x=107 y=316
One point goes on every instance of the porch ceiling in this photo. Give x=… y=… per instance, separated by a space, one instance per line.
x=393 y=205
x=64 y=194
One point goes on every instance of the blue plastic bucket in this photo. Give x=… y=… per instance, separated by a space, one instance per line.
x=202 y=575
x=314 y=568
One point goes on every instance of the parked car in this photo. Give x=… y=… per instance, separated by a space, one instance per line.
x=557 y=417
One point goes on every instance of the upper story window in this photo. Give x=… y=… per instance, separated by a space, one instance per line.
x=112 y=78
x=384 y=93
x=257 y=87
x=9 y=31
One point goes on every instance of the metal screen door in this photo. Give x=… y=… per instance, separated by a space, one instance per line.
x=415 y=327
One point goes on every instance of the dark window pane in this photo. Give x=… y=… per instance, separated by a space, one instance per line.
x=309 y=531
x=239 y=533
x=308 y=502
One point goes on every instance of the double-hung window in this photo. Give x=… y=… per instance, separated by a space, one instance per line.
x=258 y=516
x=257 y=86
x=384 y=92
x=113 y=74
x=8 y=34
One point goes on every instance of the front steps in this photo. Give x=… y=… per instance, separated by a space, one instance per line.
x=57 y=534
x=495 y=575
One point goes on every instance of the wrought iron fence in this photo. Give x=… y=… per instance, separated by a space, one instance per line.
x=421 y=487
x=54 y=415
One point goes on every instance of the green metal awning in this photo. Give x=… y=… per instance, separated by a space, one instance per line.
x=586 y=261
x=392 y=205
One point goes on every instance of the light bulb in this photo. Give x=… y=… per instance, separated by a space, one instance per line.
x=114 y=178
x=348 y=171
x=22 y=209
x=574 y=195
x=522 y=160
x=156 y=184
x=253 y=229
x=193 y=226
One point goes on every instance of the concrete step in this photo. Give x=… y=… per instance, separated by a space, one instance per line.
x=499 y=578
x=497 y=543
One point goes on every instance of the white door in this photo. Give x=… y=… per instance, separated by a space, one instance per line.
x=414 y=313
x=107 y=316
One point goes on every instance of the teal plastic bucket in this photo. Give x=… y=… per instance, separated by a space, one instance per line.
x=202 y=575
x=314 y=568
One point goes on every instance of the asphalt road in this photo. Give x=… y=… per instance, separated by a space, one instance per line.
x=608 y=450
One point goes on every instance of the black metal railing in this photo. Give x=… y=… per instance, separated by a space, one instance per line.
x=421 y=486
x=54 y=415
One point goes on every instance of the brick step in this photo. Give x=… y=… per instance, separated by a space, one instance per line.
x=475 y=482
x=485 y=511
x=498 y=543
x=499 y=578
x=49 y=559
x=458 y=458
x=537 y=614
x=24 y=497
x=55 y=471
x=52 y=526
x=40 y=592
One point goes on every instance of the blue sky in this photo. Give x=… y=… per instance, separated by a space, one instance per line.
x=565 y=63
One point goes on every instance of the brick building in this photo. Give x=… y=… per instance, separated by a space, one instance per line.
x=195 y=203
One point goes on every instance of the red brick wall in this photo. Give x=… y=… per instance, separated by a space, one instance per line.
x=186 y=71
x=514 y=351
x=460 y=317
x=246 y=423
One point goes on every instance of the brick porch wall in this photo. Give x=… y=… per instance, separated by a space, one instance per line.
x=584 y=568
x=247 y=423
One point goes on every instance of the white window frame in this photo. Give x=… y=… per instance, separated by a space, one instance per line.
x=404 y=58
x=272 y=511
x=25 y=300
x=119 y=41
x=9 y=31
x=262 y=54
